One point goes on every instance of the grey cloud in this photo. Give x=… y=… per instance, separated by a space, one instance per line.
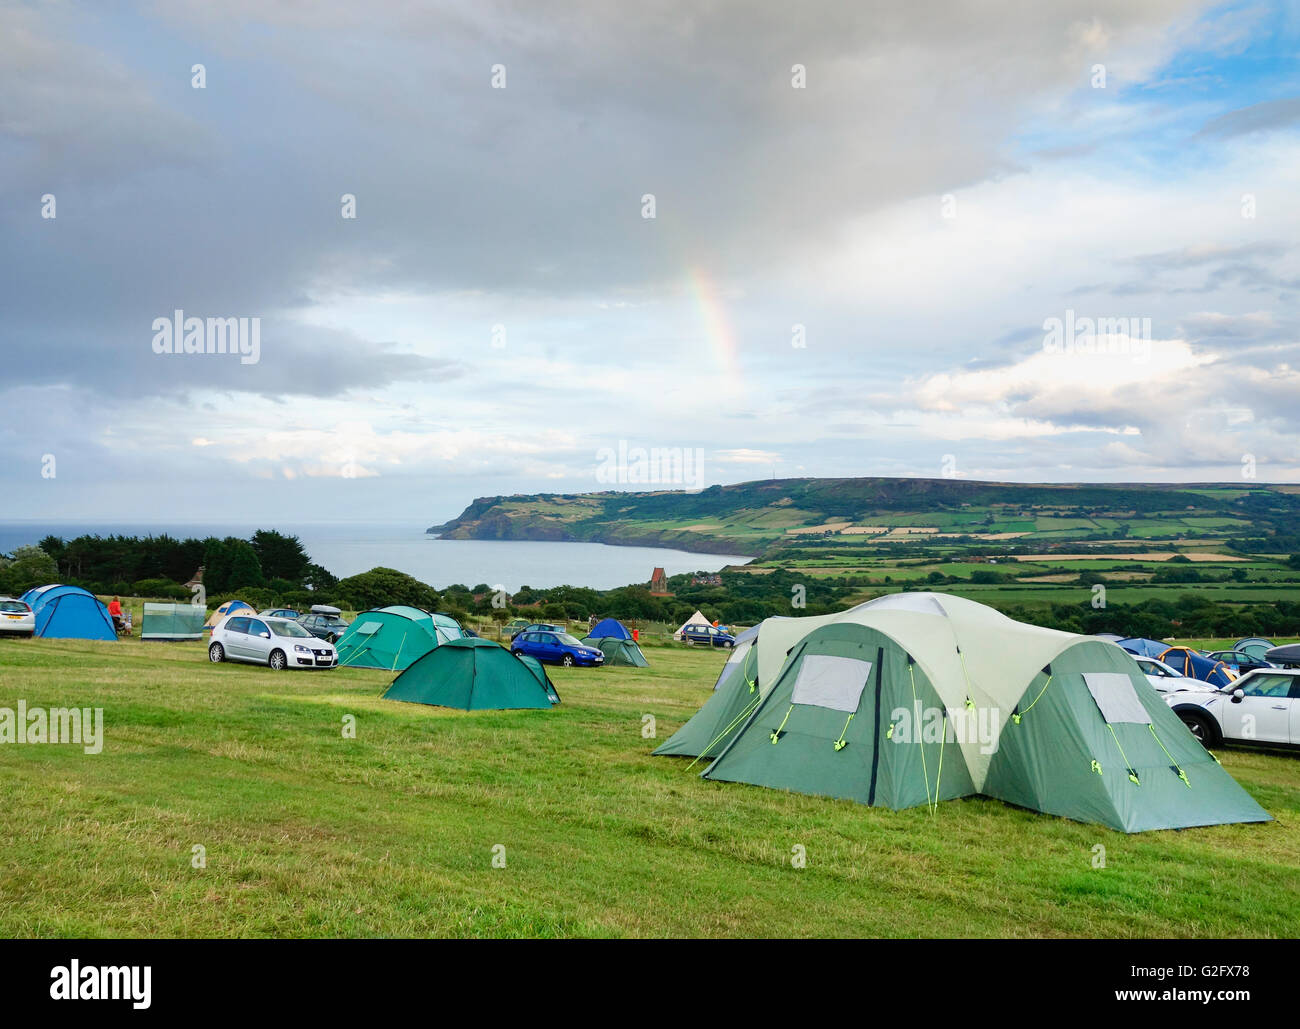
x=1271 y=114
x=1249 y=266
x=295 y=360
x=74 y=114
x=1207 y=254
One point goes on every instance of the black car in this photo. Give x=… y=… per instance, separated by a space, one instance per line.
x=324 y=625
x=709 y=634
x=1239 y=661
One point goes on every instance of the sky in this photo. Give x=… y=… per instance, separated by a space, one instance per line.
x=871 y=226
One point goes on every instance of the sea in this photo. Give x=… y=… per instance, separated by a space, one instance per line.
x=346 y=548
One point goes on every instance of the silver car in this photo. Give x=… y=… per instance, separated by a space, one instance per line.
x=16 y=617
x=275 y=642
x=1166 y=680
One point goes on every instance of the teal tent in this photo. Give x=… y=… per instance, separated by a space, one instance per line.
x=539 y=673
x=390 y=638
x=474 y=675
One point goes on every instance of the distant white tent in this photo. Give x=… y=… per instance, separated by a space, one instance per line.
x=695 y=619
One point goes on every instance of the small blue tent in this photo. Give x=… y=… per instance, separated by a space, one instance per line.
x=609 y=627
x=1142 y=647
x=69 y=613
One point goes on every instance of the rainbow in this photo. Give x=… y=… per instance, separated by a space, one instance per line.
x=718 y=332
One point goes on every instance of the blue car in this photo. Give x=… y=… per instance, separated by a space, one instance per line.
x=709 y=634
x=556 y=648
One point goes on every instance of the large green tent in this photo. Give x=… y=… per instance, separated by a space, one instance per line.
x=474 y=675
x=390 y=638
x=916 y=697
x=618 y=652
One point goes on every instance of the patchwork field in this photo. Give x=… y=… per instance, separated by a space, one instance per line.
x=769 y=516
x=392 y=833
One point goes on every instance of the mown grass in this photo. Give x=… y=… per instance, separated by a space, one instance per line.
x=391 y=834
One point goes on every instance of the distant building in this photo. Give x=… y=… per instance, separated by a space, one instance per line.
x=706 y=580
x=659 y=583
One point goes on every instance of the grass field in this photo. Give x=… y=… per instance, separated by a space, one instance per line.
x=392 y=833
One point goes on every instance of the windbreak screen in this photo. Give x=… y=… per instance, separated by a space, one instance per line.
x=832 y=682
x=1115 y=696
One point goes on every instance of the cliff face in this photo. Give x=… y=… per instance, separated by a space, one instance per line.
x=494 y=524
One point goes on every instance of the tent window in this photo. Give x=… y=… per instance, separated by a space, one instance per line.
x=369 y=628
x=1115 y=696
x=833 y=682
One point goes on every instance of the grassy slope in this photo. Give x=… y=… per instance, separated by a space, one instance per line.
x=391 y=833
x=751 y=518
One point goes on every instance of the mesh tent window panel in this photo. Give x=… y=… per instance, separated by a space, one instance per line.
x=1116 y=698
x=831 y=682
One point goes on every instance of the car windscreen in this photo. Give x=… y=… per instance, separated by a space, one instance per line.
x=284 y=628
x=568 y=640
x=14 y=607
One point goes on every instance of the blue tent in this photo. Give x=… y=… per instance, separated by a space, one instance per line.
x=69 y=613
x=609 y=627
x=1143 y=647
x=1195 y=665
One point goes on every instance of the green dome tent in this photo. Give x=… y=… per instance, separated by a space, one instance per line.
x=618 y=652
x=539 y=672
x=920 y=697
x=390 y=638
x=474 y=675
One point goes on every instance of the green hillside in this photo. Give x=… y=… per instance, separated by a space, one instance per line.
x=843 y=516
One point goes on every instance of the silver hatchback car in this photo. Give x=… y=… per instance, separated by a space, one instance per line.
x=16 y=617
x=276 y=642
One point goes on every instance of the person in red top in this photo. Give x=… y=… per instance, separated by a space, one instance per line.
x=115 y=611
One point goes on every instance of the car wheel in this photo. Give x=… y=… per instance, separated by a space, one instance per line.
x=277 y=661
x=1201 y=727
x=216 y=653
x=690 y=642
x=568 y=660
x=517 y=653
